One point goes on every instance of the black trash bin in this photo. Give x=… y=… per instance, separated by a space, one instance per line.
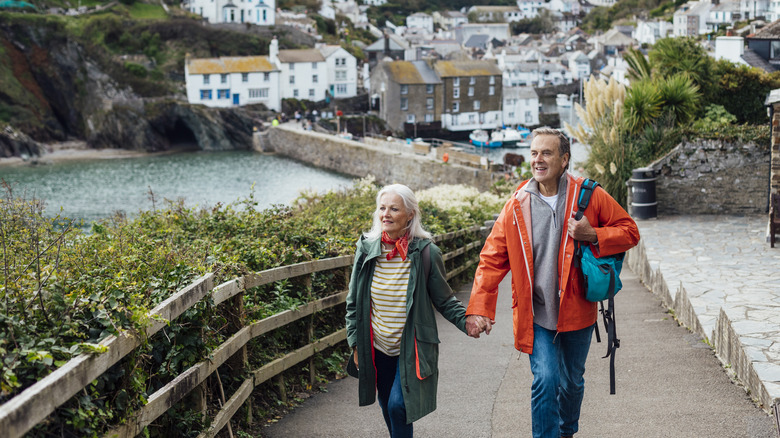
x=643 y=203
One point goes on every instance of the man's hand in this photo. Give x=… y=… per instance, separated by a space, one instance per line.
x=476 y=324
x=582 y=230
x=354 y=357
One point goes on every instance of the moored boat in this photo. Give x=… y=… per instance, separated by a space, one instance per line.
x=511 y=137
x=480 y=138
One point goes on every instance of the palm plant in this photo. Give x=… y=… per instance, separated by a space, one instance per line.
x=671 y=56
x=680 y=97
x=638 y=66
x=643 y=105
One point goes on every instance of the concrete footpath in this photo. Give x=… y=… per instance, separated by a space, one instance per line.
x=670 y=383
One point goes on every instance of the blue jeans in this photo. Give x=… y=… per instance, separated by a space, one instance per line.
x=558 y=365
x=391 y=399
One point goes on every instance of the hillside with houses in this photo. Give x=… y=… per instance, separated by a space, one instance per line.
x=433 y=72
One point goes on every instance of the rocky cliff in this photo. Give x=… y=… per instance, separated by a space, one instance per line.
x=56 y=84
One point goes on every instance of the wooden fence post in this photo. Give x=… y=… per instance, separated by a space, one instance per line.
x=239 y=362
x=307 y=281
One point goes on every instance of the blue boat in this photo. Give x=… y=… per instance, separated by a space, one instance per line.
x=511 y=137
x=481 y=139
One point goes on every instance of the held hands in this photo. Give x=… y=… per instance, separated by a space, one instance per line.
x=476 y=324
x=582 y=230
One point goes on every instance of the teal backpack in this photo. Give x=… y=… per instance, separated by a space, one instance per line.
x=601 y=277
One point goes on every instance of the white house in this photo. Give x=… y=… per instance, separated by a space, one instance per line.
x=449 y=19
x=420 y=20
x=530 y=8
x=374 y=2
x=722 y=14
x=521 y=106
x=260 y=12
x=304 y=73
x=232 y=81
x=579 y=64
x=342 y=71
x=648 y=32
x=691 y=19
x=494 y=14
x=751 y=9
x=499 y=31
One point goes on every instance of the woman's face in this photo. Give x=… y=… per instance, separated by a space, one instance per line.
x=394 y=215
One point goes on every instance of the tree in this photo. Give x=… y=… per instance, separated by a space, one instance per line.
x=638 y=67
x=741 y=90
x=671 y=56
x=643 y=105
x=680 y=97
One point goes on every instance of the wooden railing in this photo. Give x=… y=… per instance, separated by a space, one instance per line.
x=34 y=404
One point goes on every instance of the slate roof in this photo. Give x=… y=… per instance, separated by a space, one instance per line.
x=478 y=41
x=411 y=72
x=233 y=64
x=466 y=68
x=305 y=55
x=754 y=60
x=379 y=45
x=769 y=32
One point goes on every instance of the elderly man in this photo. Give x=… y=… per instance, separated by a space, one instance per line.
x=534 y=238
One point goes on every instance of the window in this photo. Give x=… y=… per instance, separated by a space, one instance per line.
x=429 y=103
x=404 y=89
x=258 y=93
x=223 y=78
x=428 y=118
x=244 y=77
x=456 y=82
x=311 y=92
x=481 y=117
x=510 y=115
x=491 y=90
x=455 y=107
x=775 y=50
x=471 y=91
x=341 y=88
x=206 y=79
x=477 y=105
x=454 y=120
x=341 y=75
x=292 y=79
x=429 y=89
x=472 y=80
x=341 y=61
x=292 y=66
x=456 y=93
x=404 y=103
x=314 y=79
x=472 y=119
x=295 y=92
x=266 y=77
x=205 y=94
x=223 y=94
x=410 y=118
x=314 y=65
x=492 y=80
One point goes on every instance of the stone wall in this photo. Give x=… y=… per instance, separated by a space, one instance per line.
x=713 y=177
x=359 y=159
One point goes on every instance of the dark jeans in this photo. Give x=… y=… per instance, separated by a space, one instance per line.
x=391 y=399
x=558 y=365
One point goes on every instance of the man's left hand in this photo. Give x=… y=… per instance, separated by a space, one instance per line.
x=582 y=230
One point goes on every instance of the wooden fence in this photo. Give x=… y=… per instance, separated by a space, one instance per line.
x=34 y=404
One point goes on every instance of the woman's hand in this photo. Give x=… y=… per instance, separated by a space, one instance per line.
x=476 y=324
x=354 y=357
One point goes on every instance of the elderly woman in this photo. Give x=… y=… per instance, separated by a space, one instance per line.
x=397 y=280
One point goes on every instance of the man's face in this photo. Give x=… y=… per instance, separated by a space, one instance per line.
x=547 y=164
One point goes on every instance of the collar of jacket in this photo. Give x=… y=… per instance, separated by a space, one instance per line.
x=373 y=248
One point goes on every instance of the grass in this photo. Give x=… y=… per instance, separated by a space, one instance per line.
x=146 y=11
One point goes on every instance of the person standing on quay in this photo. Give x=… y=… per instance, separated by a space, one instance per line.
x=397 y=280
x=534 y=238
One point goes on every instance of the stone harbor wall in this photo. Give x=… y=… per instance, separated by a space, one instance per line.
x=713 y=177
x=388 y=165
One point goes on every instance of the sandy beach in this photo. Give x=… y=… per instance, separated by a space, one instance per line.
x=74 y=151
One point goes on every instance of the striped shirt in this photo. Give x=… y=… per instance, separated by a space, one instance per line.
x=388 y=302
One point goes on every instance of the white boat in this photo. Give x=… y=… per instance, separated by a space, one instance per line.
x=511 y=137
x=480 y=138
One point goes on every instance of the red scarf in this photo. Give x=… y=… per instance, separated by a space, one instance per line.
x=401 y=245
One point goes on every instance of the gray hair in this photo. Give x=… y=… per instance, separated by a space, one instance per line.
x=564 y=147
x=414 y=227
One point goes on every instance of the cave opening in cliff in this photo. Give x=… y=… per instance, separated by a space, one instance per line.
x=181 y=137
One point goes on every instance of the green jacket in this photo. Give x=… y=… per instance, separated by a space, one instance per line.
x=418 y=360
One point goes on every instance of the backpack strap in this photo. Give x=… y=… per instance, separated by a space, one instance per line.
x=586 y=190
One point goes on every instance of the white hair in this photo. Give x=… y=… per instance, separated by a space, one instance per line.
x=414 y=227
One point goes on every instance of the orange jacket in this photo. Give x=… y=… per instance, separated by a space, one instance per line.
x=509 y=247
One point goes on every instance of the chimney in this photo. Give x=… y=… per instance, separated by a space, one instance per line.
x=273 y=51
x=387 y=44
x=729 y=32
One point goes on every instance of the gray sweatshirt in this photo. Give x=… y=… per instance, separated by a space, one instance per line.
x=547 y=226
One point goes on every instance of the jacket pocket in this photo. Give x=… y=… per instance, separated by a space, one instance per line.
x=426 y=350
